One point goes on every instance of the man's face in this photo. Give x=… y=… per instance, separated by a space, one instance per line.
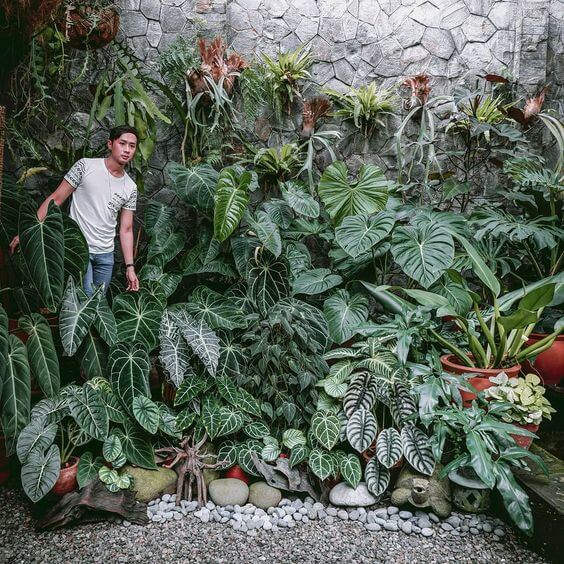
x=123 y=148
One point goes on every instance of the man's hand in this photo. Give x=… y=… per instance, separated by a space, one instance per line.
x=14 y=244
x=132 y=280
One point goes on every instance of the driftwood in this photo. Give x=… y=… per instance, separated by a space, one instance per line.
x=283 y=477
x=94 y=503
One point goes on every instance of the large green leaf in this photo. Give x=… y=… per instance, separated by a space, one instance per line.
x=217 y=311
x=146 y=413
x=203 y=341
x=43 y=250
x=38 y=435
x=417 y=450
x=166 y=281
x=359 y=233
x=317 y=281
x=174 y=353
x=231 y=200
x=267 y=231
x=191 y=386
x=515 y=499
x=16 y=393
x=320 y=463
x=297 y=196
x=88 y=410
x=129 y=368
x=158 y=217
x=164 y=246
x=220 y=421
x=138 y=317
x=389 y=447
x=88 y=468
x=480 y=458
x=244 y=456
x=344 y=313
x=112 y=448
x=361 y=393
x=3 y=344
x=93 y=354
x=41 y=353
x=75 y=317
x=343 y=198
x=377 y=477
x=361 y=429
x=481 y=269
x=351 y=470
x=423 y=253
x=268 y=281
x=136 y=449
x=53 y=409
x=326 y=428
x=76 y=250
x=105 y=322
x=279 y=212
x=195 y=185
x=40 y=472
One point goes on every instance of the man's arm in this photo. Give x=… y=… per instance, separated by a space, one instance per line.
x=59 y=196
x=126 y=241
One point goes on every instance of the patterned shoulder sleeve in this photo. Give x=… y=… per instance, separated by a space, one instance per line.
x=131 y=203
x=76 y=173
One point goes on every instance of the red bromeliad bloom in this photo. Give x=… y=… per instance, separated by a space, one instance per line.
x=533 y=105
x=313 y=110
x=420 y=89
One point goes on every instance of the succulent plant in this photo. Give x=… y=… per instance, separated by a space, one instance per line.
x=526 y=395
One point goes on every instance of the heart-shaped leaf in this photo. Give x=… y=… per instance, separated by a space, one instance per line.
x=146 y=413
x=317 y=281
x=351 y=470
x=297 y=196
x=320 y=463
x=38 y=435
x=231 y=200
x=389 y=447
x=88 y=410
x=377 y=477
x=361 y=429
x=344 y=313
x=359 y=233
x=40 y=472
x=417 y=449
x=325 y=427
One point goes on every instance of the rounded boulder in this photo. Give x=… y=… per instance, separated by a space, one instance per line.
x=228 y=491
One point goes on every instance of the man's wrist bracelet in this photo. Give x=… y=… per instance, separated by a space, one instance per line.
x=130 y=264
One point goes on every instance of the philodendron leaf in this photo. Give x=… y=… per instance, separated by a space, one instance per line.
x=129 y=368
x=317 y=281
x=268 y=282
x=40 y=472
x=16 y=393
x=190 y=388
x=257 y=430
x=361 y=429
x=417 y=449
x=105 y=322
x=231 y=200
x=377 y=477
x=217 y=311
x=3 y=343
x=38 y=435
x=174 y=352
x=351 y=470
x=293 y=438
x=267 y=231
x=228 y=453
x=54 y=409
x=361 y=393
x=297 y=196
x=88 y=468
x=244 y=456
x=424 y=253
x=75 y=317
x=93 y=354
x=195 y=185
x=221 y=421
x=298 y=454
x=344 y=313
x=320 y=463
x=359 y=233
x=112 y=448
x=88 y=410
x=146 y=413
x=325 y=427
x=41 y=353
x=135 y=447
x=389 y=447
x=76 y=250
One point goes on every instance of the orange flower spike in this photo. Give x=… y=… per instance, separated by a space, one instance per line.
x=534 y=105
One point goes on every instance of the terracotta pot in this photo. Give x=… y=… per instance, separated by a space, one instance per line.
x=89 y=28
x=549 y=364
x=67 y=478
x=237 y=473
x=522 y=440
x=450 y=364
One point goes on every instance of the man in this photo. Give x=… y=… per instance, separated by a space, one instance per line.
x=100 y=190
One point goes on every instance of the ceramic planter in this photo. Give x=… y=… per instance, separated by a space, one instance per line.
x=522 y=440
x=67 y=478
x=451 y=365
x=549 y=364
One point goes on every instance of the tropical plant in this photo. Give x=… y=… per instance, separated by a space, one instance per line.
x=526 y=396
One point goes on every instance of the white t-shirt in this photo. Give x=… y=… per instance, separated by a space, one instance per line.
x=96 y=201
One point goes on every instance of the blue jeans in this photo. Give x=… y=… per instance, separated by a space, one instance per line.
x=99 y=271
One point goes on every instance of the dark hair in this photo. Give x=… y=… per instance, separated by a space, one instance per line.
x=119 y=130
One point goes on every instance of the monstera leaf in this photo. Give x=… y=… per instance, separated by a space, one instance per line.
x=76 y=250
x=41 y=353
x=389 y=447
x=343 y=198
x=75 y=317
x=88 y=410
x=424 y=253
x=317 y=281
x=417 y=449
x=267 y=232
x=129 y=368
x=195 y=185
x=214 y=309
x=43 y=251
x=268 y=281
x=297 y=196
x=344 y=313
x=377 y=477
x=38 y=435
x=325 y=427
x=359 y=233
x=138 y=316
x=40 y=472
x=203 y=341
x=231 y=200
x=16 y=393
x=174 y=352
x=351 y=470
x=361 y=429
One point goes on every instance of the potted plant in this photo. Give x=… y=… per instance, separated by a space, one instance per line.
x=527 y=401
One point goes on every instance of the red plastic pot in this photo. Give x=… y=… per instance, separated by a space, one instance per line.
x=450 y=364
x=238 y=473
x=522 y=440
x=549 y=364
x=67 y=477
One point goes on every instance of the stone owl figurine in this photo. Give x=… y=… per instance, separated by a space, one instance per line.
x=423 y=491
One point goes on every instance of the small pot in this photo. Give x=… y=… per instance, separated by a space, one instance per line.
x=522 y=440
x=237 y=473
x=450 y=364
x=550 y=363
x=66 y=481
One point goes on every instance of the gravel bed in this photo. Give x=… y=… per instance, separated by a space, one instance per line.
x=188 y=539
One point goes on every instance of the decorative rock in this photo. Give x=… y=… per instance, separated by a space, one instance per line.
x=373 y=527
x=427 y=532
x=354 y=515
x=433 y=518
x=150 y=484
x=382 y=513
x=391 y=526
x=446 y=527
x=331 y=511
x=345 y=496
x=342 y=514
x=229 y=491
x=474 y=531
x=405 y=514
x=329 y=520
x=407 y=527
x=487 y=528
x=499 y=532
x=454 y=521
